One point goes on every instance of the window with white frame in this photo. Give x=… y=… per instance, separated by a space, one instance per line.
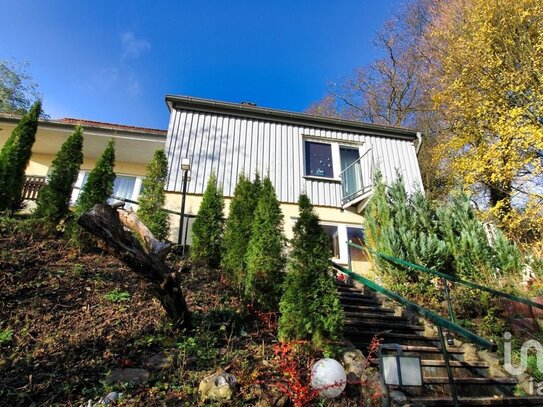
x=124 y=187
x=328 y=160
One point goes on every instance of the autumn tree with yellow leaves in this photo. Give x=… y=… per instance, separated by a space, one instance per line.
x=486 y=69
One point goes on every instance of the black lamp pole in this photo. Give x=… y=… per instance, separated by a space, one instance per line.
x=182 y=220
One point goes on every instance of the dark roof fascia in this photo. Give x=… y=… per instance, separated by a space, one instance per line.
x=236 y=109
x=56 y=124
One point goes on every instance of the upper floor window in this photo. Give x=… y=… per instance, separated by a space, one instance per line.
x=318 y=160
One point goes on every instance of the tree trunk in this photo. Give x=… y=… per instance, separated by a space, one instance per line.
x=109 y=224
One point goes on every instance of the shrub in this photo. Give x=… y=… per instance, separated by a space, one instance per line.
x=151 y=201
x=239 y=228
x=207 y=229
x=310 y=307
x=14 y=159
x=99 y=185
x=264 y=258
x=54 y=199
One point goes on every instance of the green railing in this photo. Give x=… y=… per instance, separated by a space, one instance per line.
x=431 y=316
x=448 y=277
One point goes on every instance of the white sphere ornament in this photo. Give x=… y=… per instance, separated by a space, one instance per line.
x=328 y=378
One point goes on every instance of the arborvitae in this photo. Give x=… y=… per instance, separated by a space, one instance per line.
x=207 y=230
x=99 y=185
x=310 y=307
x=239 y=228
x=264 y=258
x=14 y=159
x=54 y=198
x=151 y=201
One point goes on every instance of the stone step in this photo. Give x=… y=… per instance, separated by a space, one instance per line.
x=358 y=300
x=367 y=316
x=350 y=294
x=350 y=289
x=375 y=309
x=356 y=323
x=430 y=349
x=392 y=337
x=478 y=401
x=480 y=381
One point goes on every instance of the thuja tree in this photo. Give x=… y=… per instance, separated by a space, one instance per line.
x=207 y=230
x=54 y=198
x=264 y=258
x=14 y=158
x=239 y=228
x=99 y=185
x=310 y=307
x=446 y=237
x=151 y=201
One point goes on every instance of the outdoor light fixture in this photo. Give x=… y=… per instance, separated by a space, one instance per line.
x=398 y=370
x=185 y=166
x=328 y=378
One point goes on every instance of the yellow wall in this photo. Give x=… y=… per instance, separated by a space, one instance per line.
x=40 y=163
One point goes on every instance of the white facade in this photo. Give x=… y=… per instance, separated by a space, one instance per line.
x=231 y=144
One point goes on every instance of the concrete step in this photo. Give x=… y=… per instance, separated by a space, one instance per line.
x=391 y=337
x=358 y=300
x=478 y=401
x=370 y=316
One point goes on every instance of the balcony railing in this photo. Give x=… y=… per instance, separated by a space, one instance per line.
x=357 y=178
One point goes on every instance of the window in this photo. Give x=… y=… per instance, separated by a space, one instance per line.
x=333 y=239
x=318 y=160
x=355 y=235
x=124 y=186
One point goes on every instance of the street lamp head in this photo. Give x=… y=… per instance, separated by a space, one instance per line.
x=185 y=164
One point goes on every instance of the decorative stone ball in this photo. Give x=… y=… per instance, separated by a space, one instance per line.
x=328 y=378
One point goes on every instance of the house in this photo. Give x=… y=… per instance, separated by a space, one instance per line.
x=332 y=160
x=135 y=147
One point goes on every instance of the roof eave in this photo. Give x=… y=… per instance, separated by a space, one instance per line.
x=209 y=105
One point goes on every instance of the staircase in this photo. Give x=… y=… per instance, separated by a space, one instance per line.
x=366 y=317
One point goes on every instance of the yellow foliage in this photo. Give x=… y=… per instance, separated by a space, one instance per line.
x=488 y=58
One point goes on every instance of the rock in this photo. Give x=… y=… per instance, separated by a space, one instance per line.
x=111 y=398
x=218 y=386
x=354 y=363
x=522 y=327
x=397 y=398
x=128 y=375
x=159 y=361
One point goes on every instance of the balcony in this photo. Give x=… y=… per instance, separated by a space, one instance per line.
x=357 y=182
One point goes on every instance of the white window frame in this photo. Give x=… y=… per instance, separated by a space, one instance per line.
x=81 y=177
x=335 y=145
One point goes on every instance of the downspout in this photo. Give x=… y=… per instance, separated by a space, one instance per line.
x=419 y=144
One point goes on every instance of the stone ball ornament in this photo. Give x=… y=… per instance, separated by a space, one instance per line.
x=328 y=378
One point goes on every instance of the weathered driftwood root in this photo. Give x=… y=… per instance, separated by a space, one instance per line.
x=109 y=224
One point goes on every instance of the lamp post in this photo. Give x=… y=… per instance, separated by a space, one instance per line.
x=185 y=166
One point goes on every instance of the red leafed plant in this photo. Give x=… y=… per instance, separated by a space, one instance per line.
x=293 y=362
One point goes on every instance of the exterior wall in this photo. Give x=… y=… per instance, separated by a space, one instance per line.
x=327 y=215
x=231 y=145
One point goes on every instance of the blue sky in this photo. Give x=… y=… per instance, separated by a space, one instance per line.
x=116 y=60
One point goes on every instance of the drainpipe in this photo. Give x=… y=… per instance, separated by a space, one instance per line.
x=419 y=144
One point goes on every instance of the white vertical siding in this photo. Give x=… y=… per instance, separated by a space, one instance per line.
x=231 y=145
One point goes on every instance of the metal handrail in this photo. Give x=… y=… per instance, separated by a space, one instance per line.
x=354 y=162
x=449 y=277
x=426 y=313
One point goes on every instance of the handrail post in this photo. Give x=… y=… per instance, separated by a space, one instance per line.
x=452 y=383
x=450 y=341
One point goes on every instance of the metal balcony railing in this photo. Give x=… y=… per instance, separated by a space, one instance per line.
x=357 y=178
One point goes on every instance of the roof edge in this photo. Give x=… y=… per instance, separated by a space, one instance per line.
x=210 y=105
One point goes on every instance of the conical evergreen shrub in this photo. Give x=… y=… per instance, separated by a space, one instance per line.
x=239 y=228
x=151 y=201
x=207 y=230
x=99 y=185
x=14 y=158
x=54 y=198
x=310 y=307
x=264 y=258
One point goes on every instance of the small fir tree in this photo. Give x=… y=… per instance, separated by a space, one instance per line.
x=54 y=198
x=151 y=201
x=310 y=307
x=264 y=258
x=14 y=158
x=207 y=230
x=239 y=228
x=99 y=185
